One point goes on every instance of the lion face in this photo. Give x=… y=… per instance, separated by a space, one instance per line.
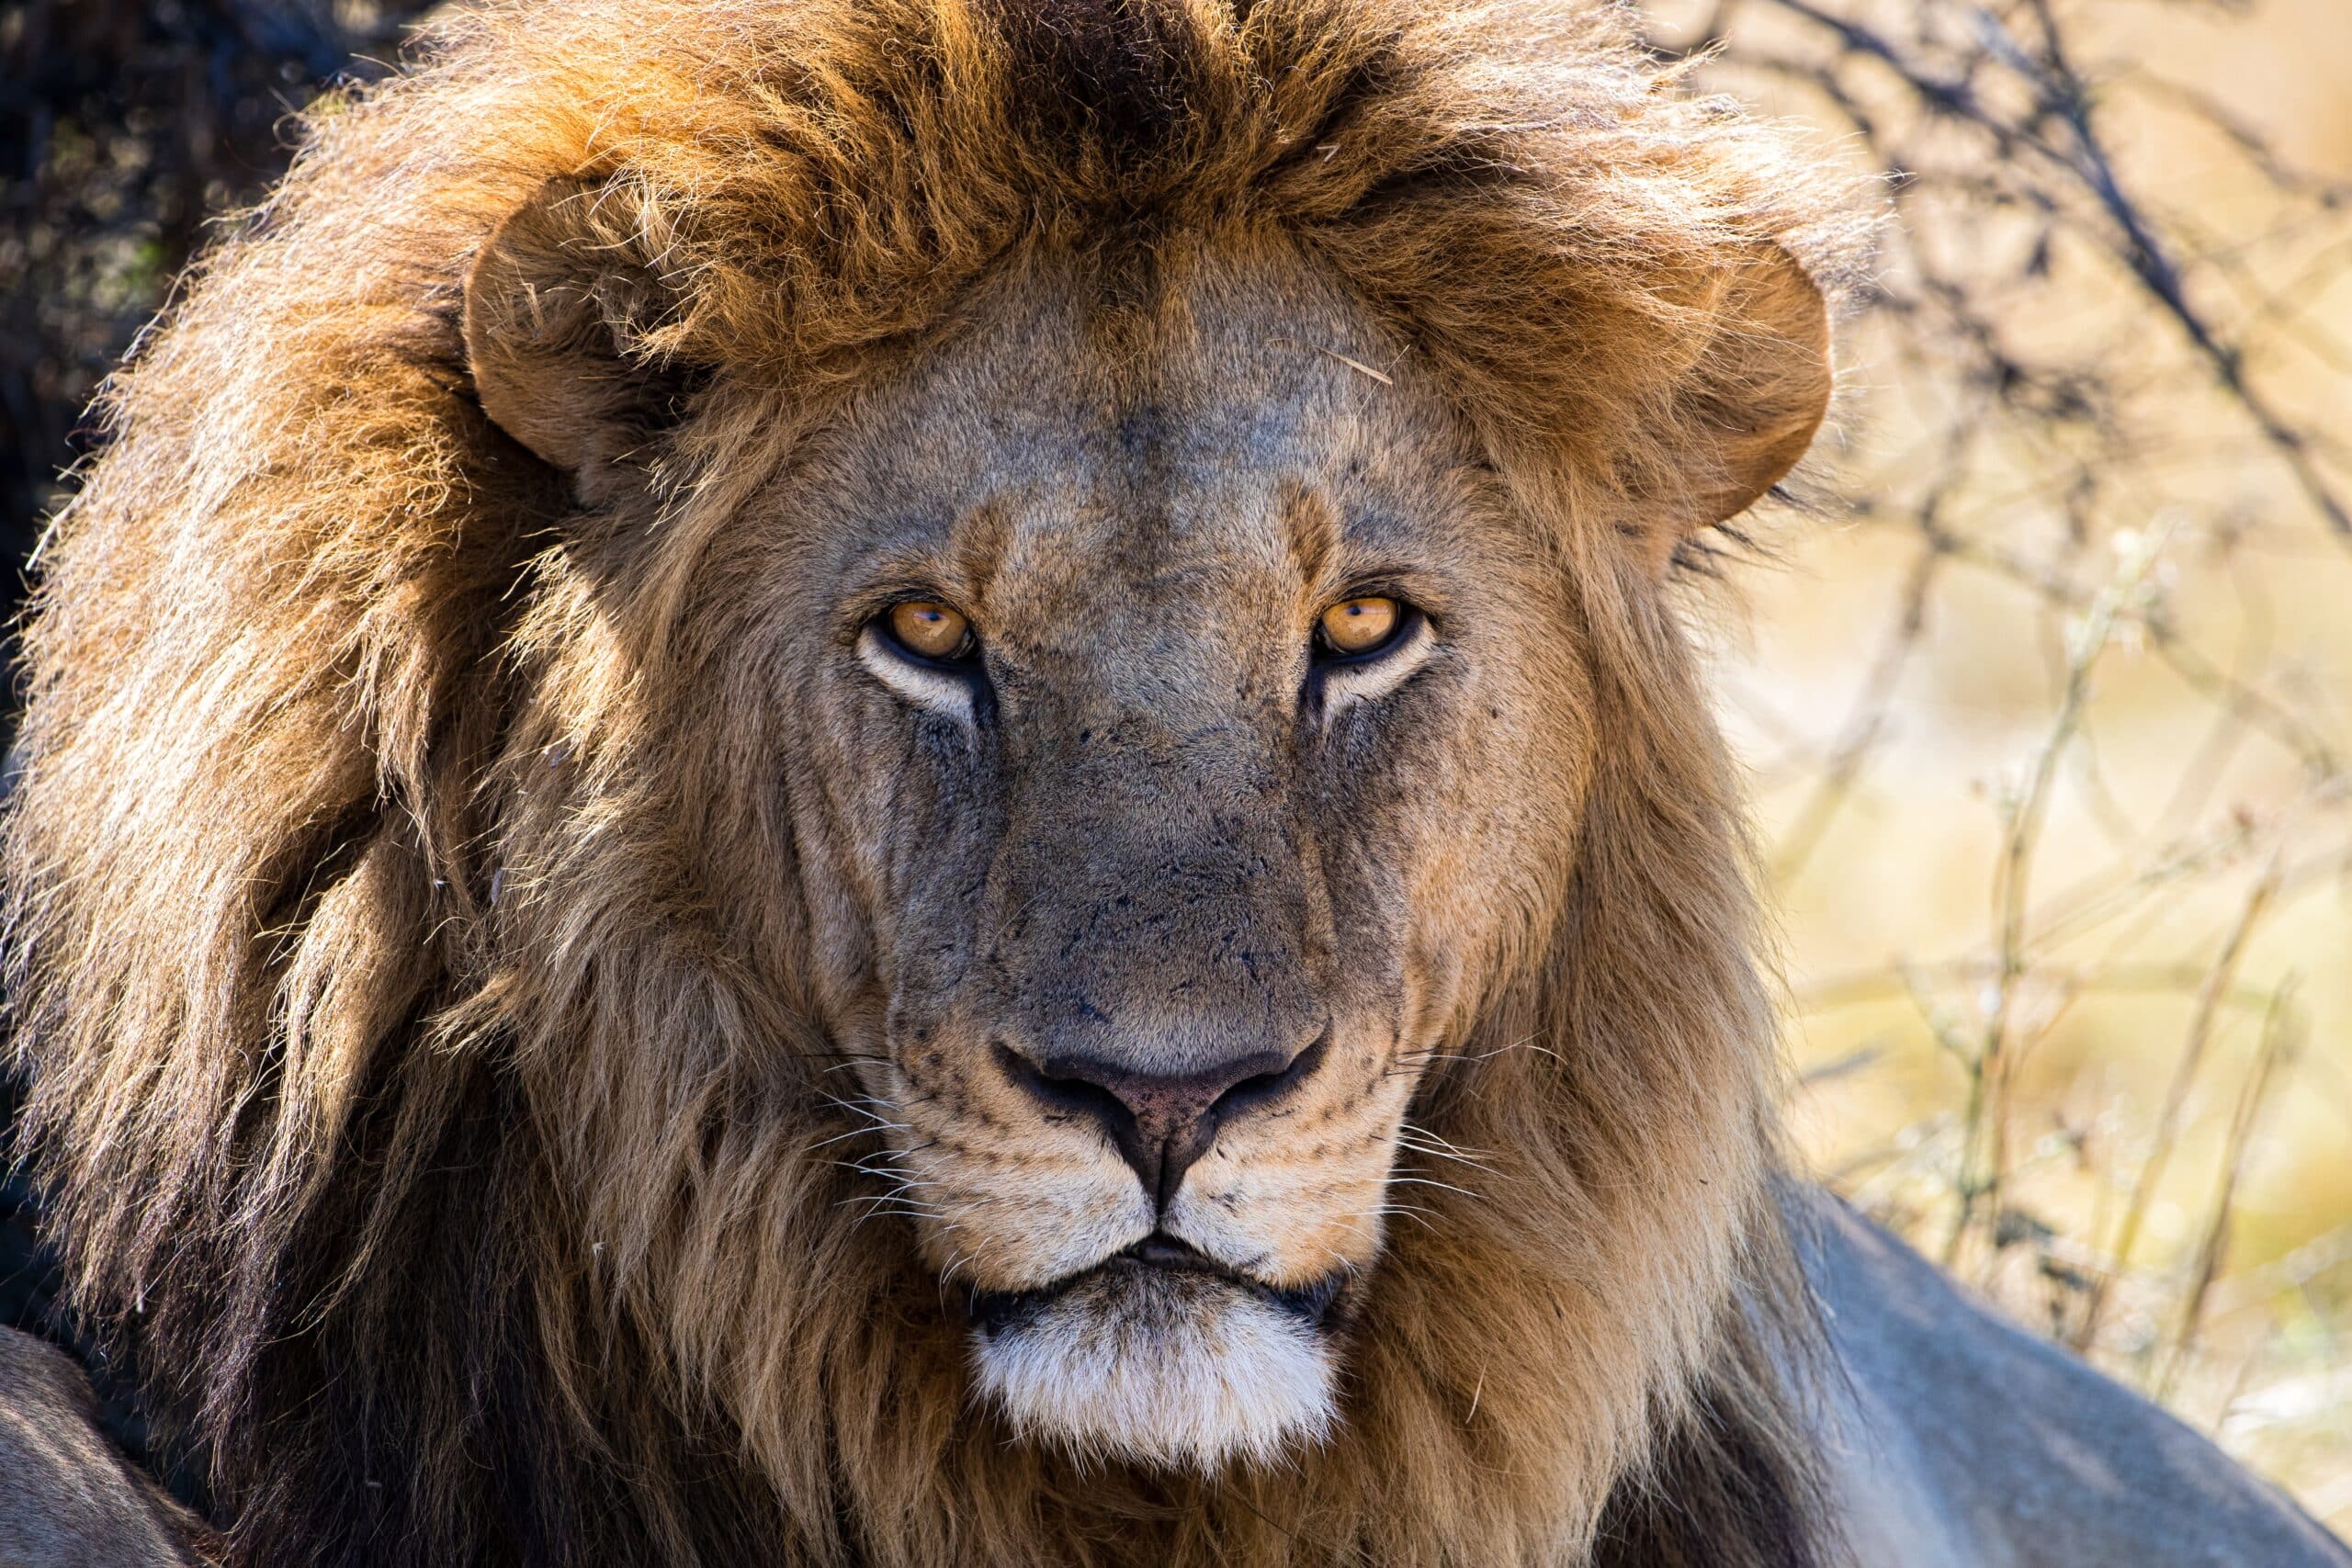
x=1162 y=891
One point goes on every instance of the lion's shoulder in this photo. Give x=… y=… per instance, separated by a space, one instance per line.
x=67 y=1498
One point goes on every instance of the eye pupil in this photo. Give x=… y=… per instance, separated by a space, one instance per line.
x=1361 y=625
x=930 y=630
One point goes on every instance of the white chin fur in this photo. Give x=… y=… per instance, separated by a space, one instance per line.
x=1184 y=1372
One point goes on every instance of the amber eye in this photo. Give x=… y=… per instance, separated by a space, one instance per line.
x=1355 y=627
x=929 y=629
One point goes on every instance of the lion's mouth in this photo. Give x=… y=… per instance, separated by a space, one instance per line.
x=1156 y=1258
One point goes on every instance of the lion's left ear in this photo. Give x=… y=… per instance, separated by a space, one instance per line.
x=557 y=316
x=1748 y=408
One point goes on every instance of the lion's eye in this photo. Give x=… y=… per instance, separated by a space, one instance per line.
x=929 y=629
x=1353 y=628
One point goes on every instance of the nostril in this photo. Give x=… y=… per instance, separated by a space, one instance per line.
x=1263 y=1088
x=1065 y=1092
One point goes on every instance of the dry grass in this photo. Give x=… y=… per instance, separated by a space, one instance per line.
x=2051 y=736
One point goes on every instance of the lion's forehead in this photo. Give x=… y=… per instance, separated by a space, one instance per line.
x=1067 y=464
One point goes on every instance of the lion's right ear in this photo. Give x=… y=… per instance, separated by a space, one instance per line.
x=1746 y=411
x=555 y=320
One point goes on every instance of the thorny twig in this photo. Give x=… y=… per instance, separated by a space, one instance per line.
x=2192 y=1058
x=2279 y=1033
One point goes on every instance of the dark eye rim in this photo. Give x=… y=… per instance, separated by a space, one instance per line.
x=966 y=654
x=1410 y=618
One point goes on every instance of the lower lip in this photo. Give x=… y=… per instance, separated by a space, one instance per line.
x=992 y=1312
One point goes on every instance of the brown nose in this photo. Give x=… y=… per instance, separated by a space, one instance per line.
x=1162 y=1122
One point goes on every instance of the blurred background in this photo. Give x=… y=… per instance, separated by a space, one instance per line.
x=2046 y=704
x=2043 y=689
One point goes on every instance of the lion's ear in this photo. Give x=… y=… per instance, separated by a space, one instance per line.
x=1748 y=409
x=557 y=316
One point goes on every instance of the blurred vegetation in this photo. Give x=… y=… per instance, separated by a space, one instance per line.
x=2046 y=704
x=2049 y=724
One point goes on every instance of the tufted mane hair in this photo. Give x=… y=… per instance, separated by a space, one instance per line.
x=374 y=866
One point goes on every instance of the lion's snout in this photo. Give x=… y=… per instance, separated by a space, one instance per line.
x=1198 y=1135
x=1149 y=1104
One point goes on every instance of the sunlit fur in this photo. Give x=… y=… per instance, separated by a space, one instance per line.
x=428 y=1053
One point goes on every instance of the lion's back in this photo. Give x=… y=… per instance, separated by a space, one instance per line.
x=1960 y=1441
x=67 y=1499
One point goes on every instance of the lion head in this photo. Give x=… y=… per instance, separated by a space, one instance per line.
x=912 y=783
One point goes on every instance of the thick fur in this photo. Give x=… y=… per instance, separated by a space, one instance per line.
x=430 y=1056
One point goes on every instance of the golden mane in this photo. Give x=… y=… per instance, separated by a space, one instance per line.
x=365 y=867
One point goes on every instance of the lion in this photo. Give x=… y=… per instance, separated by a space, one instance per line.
x=917 y=783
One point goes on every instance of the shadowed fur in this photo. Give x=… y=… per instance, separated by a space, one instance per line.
x=434 y=1041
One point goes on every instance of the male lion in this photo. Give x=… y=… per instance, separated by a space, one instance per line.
x=908 y=782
